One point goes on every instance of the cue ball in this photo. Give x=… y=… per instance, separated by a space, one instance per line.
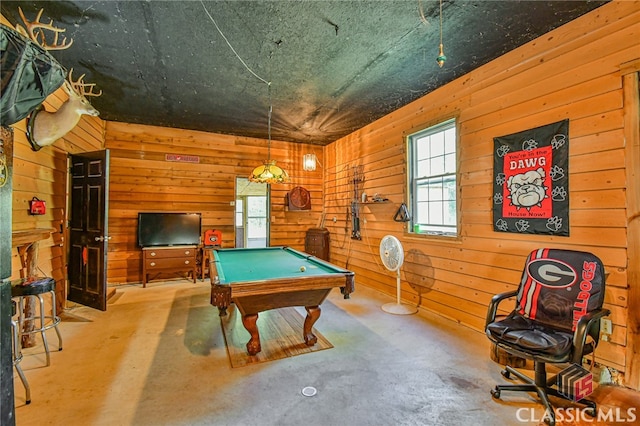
x=302 y=269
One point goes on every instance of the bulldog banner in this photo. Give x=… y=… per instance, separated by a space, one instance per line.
x=531 y=181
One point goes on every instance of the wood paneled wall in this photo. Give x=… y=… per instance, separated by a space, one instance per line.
x=142 y=180
x=572 y=72
x=43 y=174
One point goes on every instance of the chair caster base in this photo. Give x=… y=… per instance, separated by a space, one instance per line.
x=495 y=393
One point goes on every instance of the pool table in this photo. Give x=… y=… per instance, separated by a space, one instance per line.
x=260 y=279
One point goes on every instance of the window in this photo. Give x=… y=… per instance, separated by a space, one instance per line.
x=433 y=180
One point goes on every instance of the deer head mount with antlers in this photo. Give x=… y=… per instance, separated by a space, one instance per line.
x=43 y=127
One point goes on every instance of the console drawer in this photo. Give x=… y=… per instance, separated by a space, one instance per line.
x=170 y=252
x=169 y=263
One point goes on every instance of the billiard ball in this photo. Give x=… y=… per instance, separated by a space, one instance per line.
x=302 y=269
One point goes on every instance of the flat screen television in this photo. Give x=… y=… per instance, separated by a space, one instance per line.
x=168 y=229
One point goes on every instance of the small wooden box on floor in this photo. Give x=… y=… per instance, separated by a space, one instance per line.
x=317 y=243
x=167 y=260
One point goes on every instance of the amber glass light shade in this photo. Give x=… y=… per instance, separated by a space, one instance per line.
x=269 y=173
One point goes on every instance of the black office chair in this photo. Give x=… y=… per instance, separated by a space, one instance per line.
x=556 y=320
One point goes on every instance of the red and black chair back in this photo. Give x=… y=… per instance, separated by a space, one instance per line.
x=558 y=287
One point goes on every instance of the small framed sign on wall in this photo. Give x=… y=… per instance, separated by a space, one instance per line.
x=182 y=158
x=531 y=181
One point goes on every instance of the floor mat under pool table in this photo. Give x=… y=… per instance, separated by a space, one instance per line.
x=280 y=336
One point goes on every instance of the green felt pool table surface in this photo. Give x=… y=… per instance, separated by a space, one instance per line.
x=254 y=264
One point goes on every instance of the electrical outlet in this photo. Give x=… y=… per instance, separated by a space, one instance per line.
x=605 y=326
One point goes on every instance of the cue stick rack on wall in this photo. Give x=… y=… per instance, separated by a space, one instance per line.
x=356 y=181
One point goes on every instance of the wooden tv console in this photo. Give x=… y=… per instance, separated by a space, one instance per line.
x=171 y=259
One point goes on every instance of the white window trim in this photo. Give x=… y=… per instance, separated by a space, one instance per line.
x=411 y=166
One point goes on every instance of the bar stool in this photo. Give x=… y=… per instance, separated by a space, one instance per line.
x=17 y=352
x=36 y=287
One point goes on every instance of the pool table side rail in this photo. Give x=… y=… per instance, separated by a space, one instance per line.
x=223 y=294
x=284 y=285
x=317 y=260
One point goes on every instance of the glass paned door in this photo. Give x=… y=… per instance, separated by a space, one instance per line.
x=256 y=225
x=251 y=214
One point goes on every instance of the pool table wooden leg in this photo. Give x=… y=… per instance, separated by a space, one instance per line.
x=313 y=313
x=250 y=322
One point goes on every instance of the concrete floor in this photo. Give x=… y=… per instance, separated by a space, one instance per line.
x=158 y=357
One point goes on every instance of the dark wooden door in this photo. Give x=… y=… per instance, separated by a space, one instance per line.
x=88 y=229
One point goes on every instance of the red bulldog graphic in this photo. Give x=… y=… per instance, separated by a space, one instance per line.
x=526 y=184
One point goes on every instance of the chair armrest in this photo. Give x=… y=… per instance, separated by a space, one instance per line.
x=493 y=306
x=582 y=331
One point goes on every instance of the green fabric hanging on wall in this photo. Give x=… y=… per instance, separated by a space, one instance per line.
x=29 y=75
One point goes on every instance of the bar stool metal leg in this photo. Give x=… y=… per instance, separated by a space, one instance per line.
x=55 y=320
x=17 y=356
x=43 y=331
x=44 y=326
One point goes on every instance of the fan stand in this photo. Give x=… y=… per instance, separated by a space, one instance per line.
x=399 y=308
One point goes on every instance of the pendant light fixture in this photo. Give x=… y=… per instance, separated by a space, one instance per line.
x=441 y=57
x=268 y=172
x=309 y=162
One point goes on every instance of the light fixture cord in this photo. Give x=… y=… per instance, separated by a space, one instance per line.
x=269 y=125
x=441 y=23
x=268 y=83
x=232 y=49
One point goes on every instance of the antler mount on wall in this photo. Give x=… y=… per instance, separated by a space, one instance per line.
x=43 y=127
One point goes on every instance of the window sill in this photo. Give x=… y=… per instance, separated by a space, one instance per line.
x=440 y=238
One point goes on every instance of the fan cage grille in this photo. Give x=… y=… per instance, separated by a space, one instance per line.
x=391 y=253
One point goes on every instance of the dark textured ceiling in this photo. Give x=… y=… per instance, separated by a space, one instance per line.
x=334 y=65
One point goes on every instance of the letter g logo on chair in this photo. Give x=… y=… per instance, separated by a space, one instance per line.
x=552 y=273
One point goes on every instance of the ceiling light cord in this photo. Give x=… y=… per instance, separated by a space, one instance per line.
x=269 y=125
x=440 y=22
x=441 y=57
x=268 y=172
x=234 y=50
